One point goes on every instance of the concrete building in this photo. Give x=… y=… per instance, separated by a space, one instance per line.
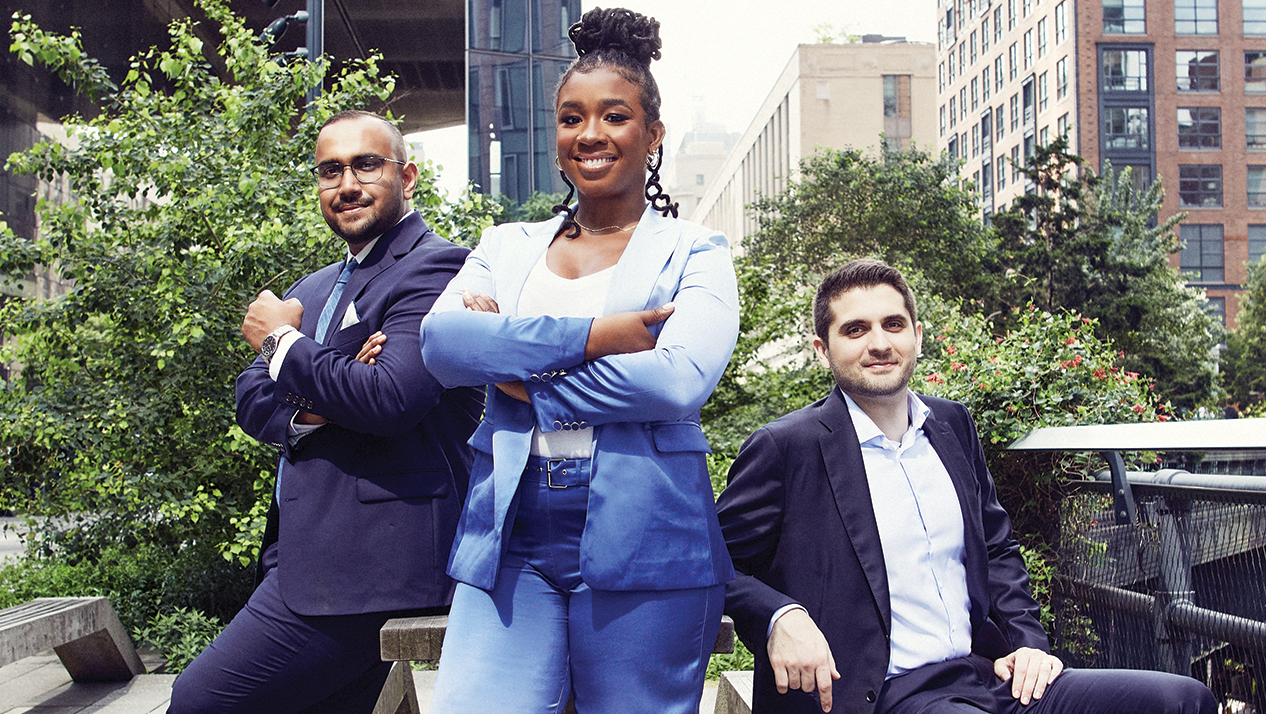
x=696 y=163
x=829 y=96
x=517 y=51
x=1175 y=89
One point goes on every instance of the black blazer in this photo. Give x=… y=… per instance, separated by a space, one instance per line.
x=798 y=520
x=369 y=502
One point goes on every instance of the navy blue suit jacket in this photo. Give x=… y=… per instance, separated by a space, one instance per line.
x=370 y=501
x=798 y=519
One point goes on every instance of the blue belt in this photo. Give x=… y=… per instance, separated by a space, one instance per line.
x=558 y=473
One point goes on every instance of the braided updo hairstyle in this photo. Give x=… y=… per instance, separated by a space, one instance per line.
x=624 y=42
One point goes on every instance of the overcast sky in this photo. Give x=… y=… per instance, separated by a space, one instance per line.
x=722 y=58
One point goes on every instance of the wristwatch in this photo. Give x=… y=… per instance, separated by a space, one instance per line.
x=269 y=346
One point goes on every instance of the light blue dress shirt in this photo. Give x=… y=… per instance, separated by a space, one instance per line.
x=921 y=533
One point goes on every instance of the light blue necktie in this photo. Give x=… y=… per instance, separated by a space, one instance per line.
x=327 y=312
x=323 y=323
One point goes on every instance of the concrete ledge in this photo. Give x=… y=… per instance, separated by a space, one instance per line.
x=734 y=693
x=84 y=631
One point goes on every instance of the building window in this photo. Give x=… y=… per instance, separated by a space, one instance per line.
x=942 y=120
x=1202 y=251
x=1125 y=128
x=1255 y=17
x=1028 y=7
x=962 y=103
x=975 y=94
x=952 y=147
x=1041 y=37
x=1002 y=172
x=1061 y=78
x=1044 y=136
x=953 y=106
x=1011 y=18
x=1200 y=186
x=1000 y=121
x=1255 y=71
x=1124 y=71
x=975 y=140
x=1015 y=164
x=1015 y=112
x=1013 y=59
x=1199 y=127
x=972 y=42
x=1197 y=71
x=984 y=34
x=984 y=84
x=1028 y=99
x=997 y=24
x=1028 y=49
x=1124 y=17
x=897 y=127
x=1216 y=306
x=986 y=128
x=997 y=72
x=1255 y=127
x=940 y=78
x=962 y=57
x=1061 y=125
x=1043 y=94
x=952 y=61
x=1257 y=186
x=1061 y=23
x=1256 y=243
x=1196 y=17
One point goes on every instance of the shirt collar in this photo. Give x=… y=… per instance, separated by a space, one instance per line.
x=364 y=252
x=865 y=426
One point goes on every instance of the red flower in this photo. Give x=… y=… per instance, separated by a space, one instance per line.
x=951 y=349
x=1099 y=374
x=1077 y=360
x=1162 y=417
x=958 y=366
x=1138 y=408
x=1070 y=341
x=934 y=377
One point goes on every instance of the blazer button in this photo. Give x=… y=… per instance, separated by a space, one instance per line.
x=558 y=425
x=534 y=378
x=870 y=696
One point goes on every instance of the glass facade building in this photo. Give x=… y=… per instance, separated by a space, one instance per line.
x=517 y=50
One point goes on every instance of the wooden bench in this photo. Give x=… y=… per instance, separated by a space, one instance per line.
x=420 y=639
x=85 y=633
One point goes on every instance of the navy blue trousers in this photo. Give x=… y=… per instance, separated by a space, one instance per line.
x=270 y=660
x=969 y=686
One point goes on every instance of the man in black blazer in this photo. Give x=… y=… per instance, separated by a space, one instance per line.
x=374 y=463
x=877 y=572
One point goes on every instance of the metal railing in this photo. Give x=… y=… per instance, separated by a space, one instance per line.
x=1165 y=570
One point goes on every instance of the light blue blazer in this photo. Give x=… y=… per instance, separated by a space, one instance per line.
x=651 y=523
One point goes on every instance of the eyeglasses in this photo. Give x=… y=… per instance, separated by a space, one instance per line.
x=366 y=169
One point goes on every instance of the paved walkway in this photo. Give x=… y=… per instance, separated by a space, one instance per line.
x=40 y=685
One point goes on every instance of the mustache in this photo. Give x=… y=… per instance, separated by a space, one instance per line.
x=340 y=205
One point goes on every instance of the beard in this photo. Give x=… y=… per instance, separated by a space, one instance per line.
x=863 y=385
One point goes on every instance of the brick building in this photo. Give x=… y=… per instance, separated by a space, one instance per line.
x=1175 y=89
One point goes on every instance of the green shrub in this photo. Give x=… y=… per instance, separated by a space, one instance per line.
x=180 y=636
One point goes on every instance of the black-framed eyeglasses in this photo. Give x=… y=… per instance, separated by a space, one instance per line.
x=366 y=169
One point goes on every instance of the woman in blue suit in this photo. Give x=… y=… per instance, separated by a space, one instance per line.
x=588 y=556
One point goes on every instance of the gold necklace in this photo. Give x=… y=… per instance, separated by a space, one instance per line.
x=604 y=231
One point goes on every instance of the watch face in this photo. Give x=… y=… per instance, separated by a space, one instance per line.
x=268 y=348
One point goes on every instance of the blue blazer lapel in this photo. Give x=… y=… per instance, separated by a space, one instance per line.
x=518 y=257
x=644 y=258
x=394 y=243
x=846 y=474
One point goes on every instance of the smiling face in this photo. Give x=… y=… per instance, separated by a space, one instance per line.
x=359 y=212
x=603 y=136
x=872 y=343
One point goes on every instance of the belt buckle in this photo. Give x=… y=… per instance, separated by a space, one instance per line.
x=549 y=472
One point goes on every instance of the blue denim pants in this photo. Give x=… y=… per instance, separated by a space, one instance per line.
x=541 y=634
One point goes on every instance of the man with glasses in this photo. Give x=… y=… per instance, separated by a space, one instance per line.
x=373 y=459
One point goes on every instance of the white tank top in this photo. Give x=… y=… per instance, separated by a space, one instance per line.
x=545 y=293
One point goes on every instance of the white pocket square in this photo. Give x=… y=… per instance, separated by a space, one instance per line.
x=350 y=317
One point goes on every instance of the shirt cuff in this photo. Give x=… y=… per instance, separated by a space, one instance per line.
x=283 y=346
x=295 y=432
x=779 y=613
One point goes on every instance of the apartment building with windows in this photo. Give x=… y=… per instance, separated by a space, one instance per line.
x=835 y=96
x=1174 y=89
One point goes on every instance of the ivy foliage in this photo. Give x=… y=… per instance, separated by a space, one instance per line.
x=191 y=193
